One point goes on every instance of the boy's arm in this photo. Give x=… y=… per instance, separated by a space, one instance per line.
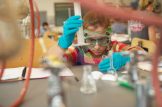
x=71 y=55
x=118 y=47
x=70 y=27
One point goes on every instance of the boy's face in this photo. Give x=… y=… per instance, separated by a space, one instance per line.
x=45 y=27
x=98 y=40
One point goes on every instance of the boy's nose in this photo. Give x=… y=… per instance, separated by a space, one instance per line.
x=97 y=46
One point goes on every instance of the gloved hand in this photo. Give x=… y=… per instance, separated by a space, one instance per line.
x=70 y=27
x=118 y=61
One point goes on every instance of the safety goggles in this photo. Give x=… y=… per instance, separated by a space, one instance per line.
x=94 y=38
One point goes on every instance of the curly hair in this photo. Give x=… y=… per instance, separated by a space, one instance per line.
x=94 y=18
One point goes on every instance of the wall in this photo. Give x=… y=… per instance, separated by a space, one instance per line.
x=122 y=2
x=48 y=5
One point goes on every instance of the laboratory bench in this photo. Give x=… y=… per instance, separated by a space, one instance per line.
x=109 y=94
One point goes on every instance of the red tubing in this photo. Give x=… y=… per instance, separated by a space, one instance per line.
x=154 y=73
x=27 y=81
x=2 y=68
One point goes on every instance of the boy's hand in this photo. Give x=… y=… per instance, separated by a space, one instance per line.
x=118 y=61
x=70 y=27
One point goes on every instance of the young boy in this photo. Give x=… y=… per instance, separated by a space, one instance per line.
x=95 y=32
x=44 y=28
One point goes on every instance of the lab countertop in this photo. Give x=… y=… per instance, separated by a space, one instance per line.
x=109 y=94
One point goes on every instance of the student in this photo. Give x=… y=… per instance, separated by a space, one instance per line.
x=95 y=32
x=44 y=28
x=137 y=29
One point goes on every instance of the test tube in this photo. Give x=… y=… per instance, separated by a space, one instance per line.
x=80 y=34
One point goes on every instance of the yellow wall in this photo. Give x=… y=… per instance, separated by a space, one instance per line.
x=22 y=58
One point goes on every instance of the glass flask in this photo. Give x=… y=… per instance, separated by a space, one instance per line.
x=111 y=72
x=88 y=84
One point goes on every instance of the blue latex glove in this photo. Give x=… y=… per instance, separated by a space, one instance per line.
x=70 y=27
x=118 y=62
